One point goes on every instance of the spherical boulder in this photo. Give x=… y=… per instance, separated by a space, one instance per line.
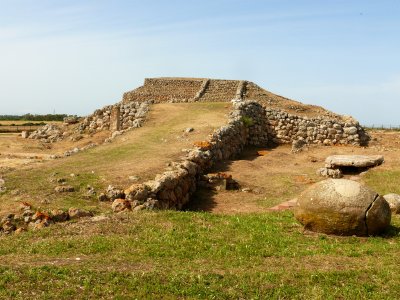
x=394 y=202
x=342 y=207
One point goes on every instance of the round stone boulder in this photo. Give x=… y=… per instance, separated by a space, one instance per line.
x=342 y=207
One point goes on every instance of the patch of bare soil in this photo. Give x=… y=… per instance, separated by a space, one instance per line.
x=280 y=175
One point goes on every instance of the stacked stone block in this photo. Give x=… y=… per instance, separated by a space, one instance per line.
x=131 y=115
x=285 y=128
x=161 y=90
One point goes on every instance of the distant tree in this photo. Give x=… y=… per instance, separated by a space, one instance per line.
x=30 y=117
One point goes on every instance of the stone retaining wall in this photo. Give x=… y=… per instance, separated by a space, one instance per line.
x=285 y=128
x=131 y=115
x=161 y=90
x=173 y=188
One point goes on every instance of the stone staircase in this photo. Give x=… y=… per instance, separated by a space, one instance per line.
x=220 y=91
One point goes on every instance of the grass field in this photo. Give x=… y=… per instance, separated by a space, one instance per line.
x=189 y=255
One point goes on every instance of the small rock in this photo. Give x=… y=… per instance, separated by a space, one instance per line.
x=90 y=191
x=58 y=215
x=332 y=173
x=61 y=180
x=121 y=205
x=115 y=134
x=76 y=213
x=114 y=193
x=140 y=207
x=134 y=178
x=24 y=206
x=64 y=189
x=103 y=197
x=39 y=225
x=20 y=230
x=9 y=217
x=394 y=202
x=189 y=129
x=24 y=134
x=40 y=216
x=8 y=227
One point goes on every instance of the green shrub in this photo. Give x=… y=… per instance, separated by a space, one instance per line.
x=247 y=121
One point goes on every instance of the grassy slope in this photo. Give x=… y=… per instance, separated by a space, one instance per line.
x=197 y=255
x=144 y=152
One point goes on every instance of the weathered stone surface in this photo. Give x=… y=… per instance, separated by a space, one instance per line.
x=103 y=197
x=113 y=193
x=394 y=202
x=358 y=161
x=332 y=173
x=138 y=192
x=76 y=213
x=120 y=205
x=342 y=207
x=24 y=134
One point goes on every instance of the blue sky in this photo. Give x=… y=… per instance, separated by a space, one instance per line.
x=76 y=56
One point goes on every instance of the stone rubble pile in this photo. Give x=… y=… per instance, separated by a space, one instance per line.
x=30 y=218
x=49 y=133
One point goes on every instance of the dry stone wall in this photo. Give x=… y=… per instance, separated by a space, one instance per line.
x=173 y=188
x=118 y=117
x=165 y=90
x=220 y=91
x=286 y=128
x=131 y=115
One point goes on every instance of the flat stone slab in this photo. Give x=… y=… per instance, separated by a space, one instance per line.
x=358 y=161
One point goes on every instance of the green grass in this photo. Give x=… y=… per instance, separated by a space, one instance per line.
x=197 y=256
x=383 y=181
